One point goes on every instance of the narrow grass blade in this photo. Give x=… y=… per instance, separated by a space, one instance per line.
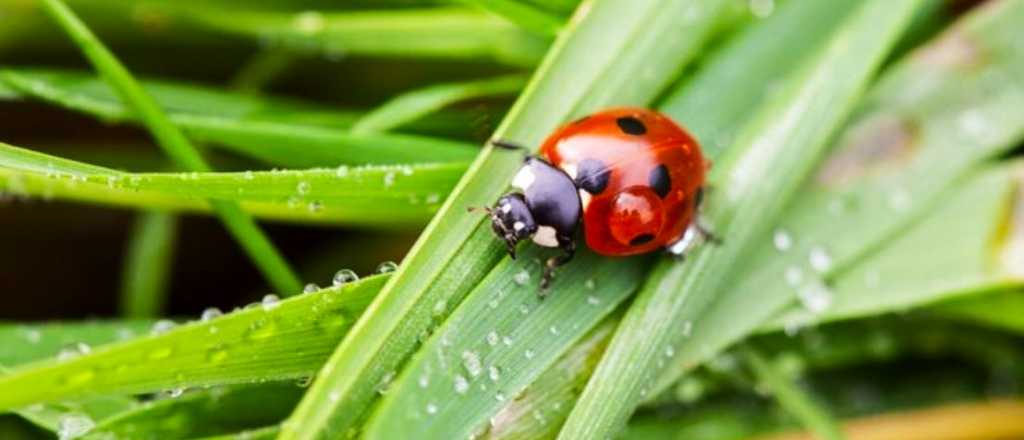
x=201 y=413
x=916 y=269
x=762 y=170
x=417 y=103
x=457 y=250
x=1004 y=310
x=30 y=342
x=261 y=70
x=284 y=340
x=266 y=258
x=147 y=265
x=379 y=196
x=902 y=151
x=815 y=418
x=522 y=14
x=443 y=33
x=277 y=131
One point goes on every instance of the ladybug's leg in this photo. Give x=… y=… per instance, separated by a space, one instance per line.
x=695 y=234
x=568 y=247
x=705 y=232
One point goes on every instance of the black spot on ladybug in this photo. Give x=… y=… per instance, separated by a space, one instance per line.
x=592 y=175
x=641 y=239
x=660 y=181
x=631 y=125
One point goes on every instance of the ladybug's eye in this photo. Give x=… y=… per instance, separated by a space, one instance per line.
x=660 y=180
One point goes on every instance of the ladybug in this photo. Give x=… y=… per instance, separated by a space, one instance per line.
x=632 y=177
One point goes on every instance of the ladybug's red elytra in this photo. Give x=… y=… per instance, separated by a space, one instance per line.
x=631 y=176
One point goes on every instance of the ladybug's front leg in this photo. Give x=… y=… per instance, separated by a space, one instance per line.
x=696 y=233
x=568 y=247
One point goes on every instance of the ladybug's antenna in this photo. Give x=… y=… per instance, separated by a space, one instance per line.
x=506 y=145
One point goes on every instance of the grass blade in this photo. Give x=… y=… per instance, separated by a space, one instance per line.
x=413 y=105
x=381 y=196
x=273 y=341
x=789 y=133
x=457 y=250
x=266 y=258
x=1002 y=310
x=794 y=400
x=444 y=33
x=898 y=149
x=522 y=14
x=277 y=131
x=147 y=265
x=24 y=343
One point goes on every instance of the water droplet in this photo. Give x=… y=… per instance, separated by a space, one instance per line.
x=424 y=380
x=782 y=240
x=387 y=267
x=431 y=408
x=345 y=276
x=506 y=340
x=33 y=336
x=210 y=313
x=385 y=382
x=163 y=326
x=670 y=351
x=590 y=284
x=593 y=300
x=334 y=396
x=216 y=355
x=316 y=206
x=815 y=297
x=302 y=188
x=461 y=384
x=499 y=396
x=794 y=276
x=389 y=179
x=529 y=354
x=524 y=309
x=249 y=175
x=492 y=338
x=471 y=362
x=553 y=330
x=72 y=426
x=175 y=393
x=341 y=171
x=74 y=350
x=687 y=329
x=304 y=381
x=261 y=329
x=433 y=198
x=440 y=307
x=819 y=258
x=270 y=302
x=522 y=277
x=494 y=373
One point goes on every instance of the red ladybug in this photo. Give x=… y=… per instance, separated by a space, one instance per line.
x=632 y=176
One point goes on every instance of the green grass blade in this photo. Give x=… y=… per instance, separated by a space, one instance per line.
x=522 y=14
x=413 y=105
x=1004 y=310
x=457 y=250
x=147 y=265
x=762 y=170
x=916 y=269
x=471 y=368
x=439 y=33
x=31 y=342
x=896 y=159
x=203 y=413
x=717 y=101
x=261 y=70
x=277 y=131
x=378 y=196
x=266 y=258
x=286 y=340
x=813 y=416
x=265 y=433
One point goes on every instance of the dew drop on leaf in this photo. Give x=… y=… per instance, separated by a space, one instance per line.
x=522 y=277
x=344 y=276
x=270 y=302
x=210 y=313
x=302 y=188
x=782 y=240
x=471 y=362
x=431 y=408
x=461 y=384
x=387 y=267
x=492 y=338
x=819 y=259
x=163 y=326
x=72 y=426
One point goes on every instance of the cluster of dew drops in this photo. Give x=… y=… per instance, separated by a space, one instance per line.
x=74 y=425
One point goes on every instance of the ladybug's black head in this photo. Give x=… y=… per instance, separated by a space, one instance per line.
x=512 y=220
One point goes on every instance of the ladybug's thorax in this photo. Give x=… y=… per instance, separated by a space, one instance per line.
x=551 y=196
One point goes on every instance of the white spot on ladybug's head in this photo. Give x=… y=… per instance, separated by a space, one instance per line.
x=524 y=178
x=584 y=198
x=546 y=236
x=506 y=207
x=518 y=226
x=570 y=169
